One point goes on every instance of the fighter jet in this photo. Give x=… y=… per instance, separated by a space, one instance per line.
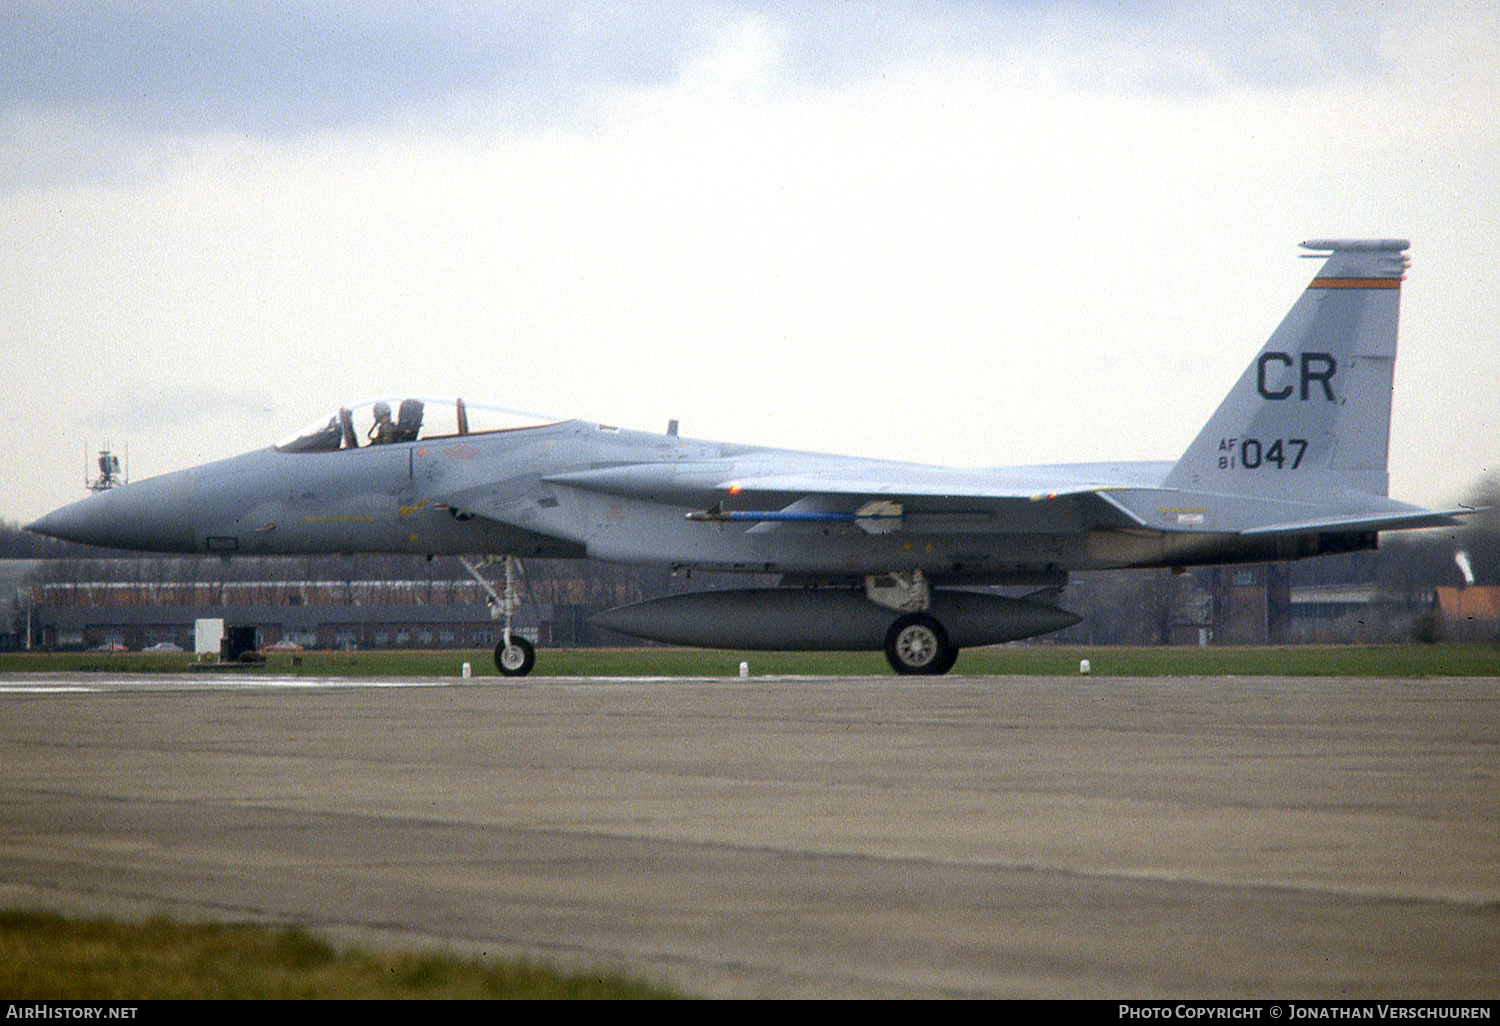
x=869 y=554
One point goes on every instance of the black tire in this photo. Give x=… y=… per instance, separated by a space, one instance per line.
x=916 y=644
x=947 y=661
x=516 y=661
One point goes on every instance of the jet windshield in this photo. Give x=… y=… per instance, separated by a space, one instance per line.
x=387 y=421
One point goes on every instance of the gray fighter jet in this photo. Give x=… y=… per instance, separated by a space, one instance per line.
x=869 y=554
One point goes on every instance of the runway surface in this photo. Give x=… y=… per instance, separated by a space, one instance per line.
x=828 y=837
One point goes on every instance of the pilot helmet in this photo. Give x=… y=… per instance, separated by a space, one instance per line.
x=382 y=411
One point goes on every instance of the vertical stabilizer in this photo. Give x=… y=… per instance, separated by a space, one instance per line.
x=1312 y=412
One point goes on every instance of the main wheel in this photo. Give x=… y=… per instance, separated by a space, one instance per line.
x=515 y=659
x=917 y=644
x=947 y=661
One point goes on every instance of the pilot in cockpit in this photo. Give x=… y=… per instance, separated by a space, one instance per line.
x=383 y=430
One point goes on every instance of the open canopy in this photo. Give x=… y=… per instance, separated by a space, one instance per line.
x=387 y=421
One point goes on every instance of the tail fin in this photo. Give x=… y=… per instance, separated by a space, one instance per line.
x=1313 y=410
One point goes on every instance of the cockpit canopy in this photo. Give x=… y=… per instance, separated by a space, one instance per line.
x=404 y=419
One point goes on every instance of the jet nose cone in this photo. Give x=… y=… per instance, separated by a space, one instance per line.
x=71 y=523
x=148 y=516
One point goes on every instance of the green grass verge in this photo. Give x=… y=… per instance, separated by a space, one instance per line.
x=47 y=956
x=1290 y=660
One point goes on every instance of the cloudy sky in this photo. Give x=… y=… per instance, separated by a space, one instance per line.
x=956 y=232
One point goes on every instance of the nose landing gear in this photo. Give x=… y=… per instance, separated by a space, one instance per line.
x=514 y=655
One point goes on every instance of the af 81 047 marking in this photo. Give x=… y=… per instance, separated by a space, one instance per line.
x=1254 y=454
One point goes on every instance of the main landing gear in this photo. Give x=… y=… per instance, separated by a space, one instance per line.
x=916 y=643
x=514 y=655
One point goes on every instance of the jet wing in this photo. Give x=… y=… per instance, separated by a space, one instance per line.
x=692 y=482
x=929 y=497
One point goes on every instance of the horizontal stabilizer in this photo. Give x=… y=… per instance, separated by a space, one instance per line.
x=1395 y=521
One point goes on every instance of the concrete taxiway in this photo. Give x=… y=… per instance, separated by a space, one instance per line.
x=1009 y=837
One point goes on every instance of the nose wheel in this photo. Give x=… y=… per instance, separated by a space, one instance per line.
x=516 y=657
x=918 y=644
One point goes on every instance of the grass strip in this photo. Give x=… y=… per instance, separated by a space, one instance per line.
x=45 y=956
